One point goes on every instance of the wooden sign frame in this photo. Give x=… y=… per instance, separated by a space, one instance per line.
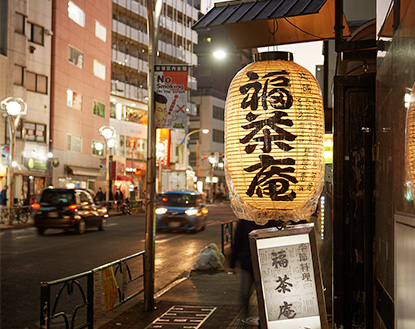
x=288 y=278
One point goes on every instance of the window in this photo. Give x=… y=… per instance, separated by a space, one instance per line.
x=121 y=146
x=36 y=82
x=36 y=34
x=74 y=100
x=100 y=31
x=76 y=14
x=218 y=113
x=98 y=150
x=18 y=75
x=30 y=81
x=34 y=132
x=218 y=136
x=76 y=57
x=4 y=20
x=99 y=70
x=99 y=109
x=41 y=84
x=74 y=143
x=20 y=24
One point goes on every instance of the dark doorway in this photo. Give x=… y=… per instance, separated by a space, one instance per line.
x=353 y=203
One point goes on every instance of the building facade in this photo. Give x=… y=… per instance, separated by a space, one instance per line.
x=129 y=86
x=81 y=70
x=25 y=66
x=214 y=76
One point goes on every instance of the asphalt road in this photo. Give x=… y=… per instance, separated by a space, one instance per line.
x=28 y=259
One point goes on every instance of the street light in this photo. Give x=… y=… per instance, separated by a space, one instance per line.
x=14 y=108
x=204 y=131
x=213 y=161
x=109 y=134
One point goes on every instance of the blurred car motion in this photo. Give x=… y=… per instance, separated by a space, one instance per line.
x=68 y=209
x=181 y=210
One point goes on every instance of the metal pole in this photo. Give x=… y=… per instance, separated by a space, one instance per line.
x=107 y=177
x=186 y=139
x=160 y=174
x=10 y=171
x=153 y=19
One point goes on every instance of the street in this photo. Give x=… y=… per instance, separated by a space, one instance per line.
x=28 y=259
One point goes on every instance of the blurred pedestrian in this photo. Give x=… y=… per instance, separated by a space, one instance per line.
x=3 y=199
x=242 y=252
x=118 y=196
x=100 y=196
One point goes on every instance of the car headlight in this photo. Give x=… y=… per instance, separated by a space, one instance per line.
x=161 y=211
x=191 y=212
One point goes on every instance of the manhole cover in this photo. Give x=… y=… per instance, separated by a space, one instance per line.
x=183 y=317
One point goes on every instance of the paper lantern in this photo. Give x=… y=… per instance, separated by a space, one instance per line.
x=274 y=128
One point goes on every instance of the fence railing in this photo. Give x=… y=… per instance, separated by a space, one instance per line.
x=227 y=230
x=82 y=298
x=79 y=300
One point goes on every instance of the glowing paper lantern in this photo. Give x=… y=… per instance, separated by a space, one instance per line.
x=274 y=128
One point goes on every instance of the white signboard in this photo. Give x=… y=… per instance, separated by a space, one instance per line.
x=287 y=275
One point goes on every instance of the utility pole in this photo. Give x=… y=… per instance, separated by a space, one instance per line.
x=153 y=20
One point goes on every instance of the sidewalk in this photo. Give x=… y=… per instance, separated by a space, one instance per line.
x=205 y=299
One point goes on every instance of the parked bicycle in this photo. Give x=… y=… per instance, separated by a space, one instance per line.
x=20 y=215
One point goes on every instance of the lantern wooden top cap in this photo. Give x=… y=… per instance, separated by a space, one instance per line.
x=273 y=56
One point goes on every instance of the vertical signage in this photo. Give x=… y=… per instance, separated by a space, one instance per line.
x=288 y=279
x=171 y=96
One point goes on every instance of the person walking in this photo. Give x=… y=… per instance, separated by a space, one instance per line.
x=99 y=197
x=118 y=196
x=3 y=200
x=242 y=252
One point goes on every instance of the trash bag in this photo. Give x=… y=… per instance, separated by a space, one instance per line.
x=210 y=258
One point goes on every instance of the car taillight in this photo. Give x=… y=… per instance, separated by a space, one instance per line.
x=36 y=206
x=73 y=207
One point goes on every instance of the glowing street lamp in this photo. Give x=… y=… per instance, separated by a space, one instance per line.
x=219 y=54
x=109 y=134
x=186 y=139
x=14 y=108
x=213 y=160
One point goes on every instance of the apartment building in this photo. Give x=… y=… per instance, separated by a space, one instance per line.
x=80 y=85
x=129 y=86
x=25 y=66
x=81 y=65
x=214 y=74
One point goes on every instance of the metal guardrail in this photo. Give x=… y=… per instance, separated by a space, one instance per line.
x=227 y=230
x=81 y=294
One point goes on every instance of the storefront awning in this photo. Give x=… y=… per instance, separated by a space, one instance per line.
x=82 y=171
x=122 y=177
x=262 y=23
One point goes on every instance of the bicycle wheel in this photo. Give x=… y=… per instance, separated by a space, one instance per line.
x=24 y=217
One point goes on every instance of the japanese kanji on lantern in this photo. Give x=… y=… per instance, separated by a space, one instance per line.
x=274 y=128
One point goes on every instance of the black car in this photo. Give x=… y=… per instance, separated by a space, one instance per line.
x=62 y=208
